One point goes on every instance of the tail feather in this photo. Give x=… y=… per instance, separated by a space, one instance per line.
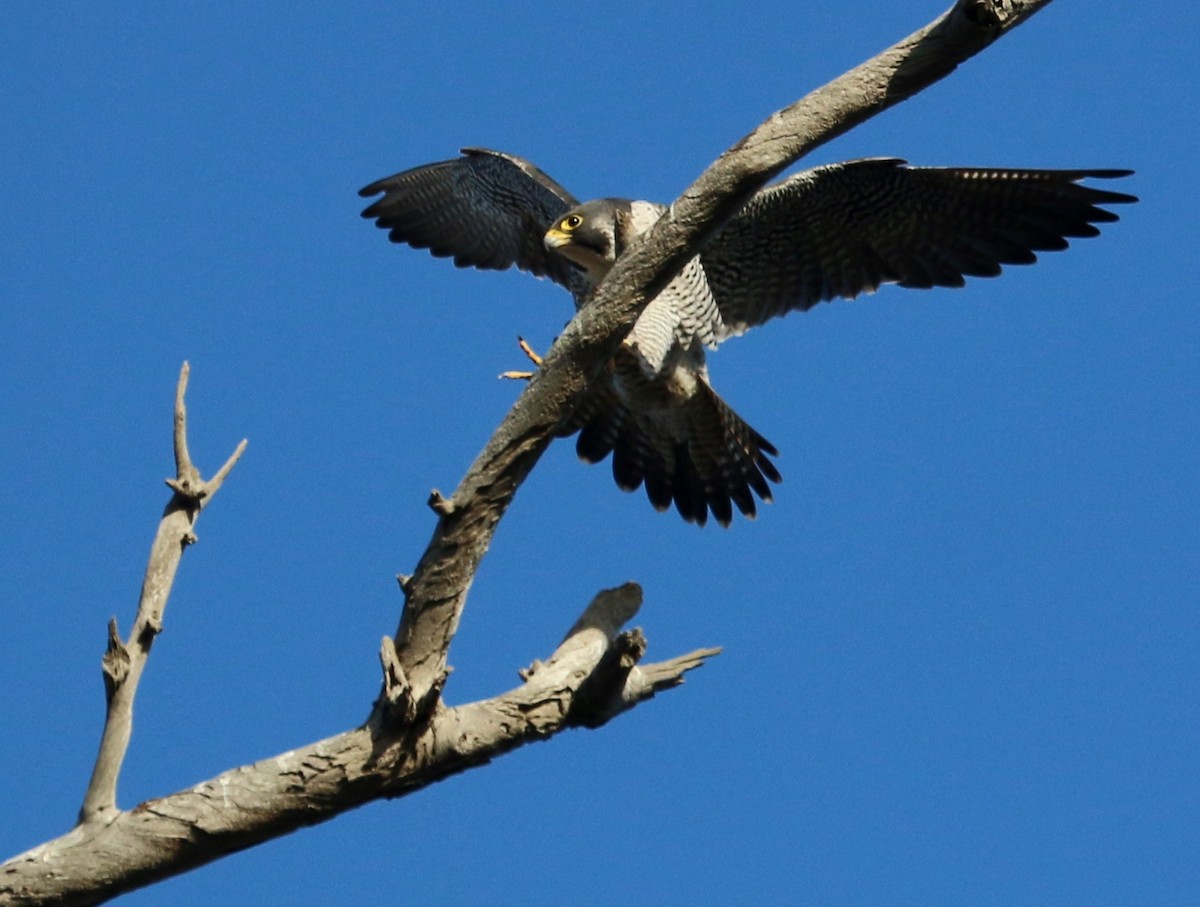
x=698 y=454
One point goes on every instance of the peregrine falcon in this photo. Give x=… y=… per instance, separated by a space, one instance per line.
x=829 y=232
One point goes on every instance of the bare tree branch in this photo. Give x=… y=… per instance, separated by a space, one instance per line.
x=576 y=686
x=411 y=739
x=123 y=662
x=438 y=589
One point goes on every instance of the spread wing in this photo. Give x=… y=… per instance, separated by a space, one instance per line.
x=485 y=209
x=840 y=230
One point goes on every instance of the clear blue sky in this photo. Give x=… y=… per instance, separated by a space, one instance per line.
x=960 y=656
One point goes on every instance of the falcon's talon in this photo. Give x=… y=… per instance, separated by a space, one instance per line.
x=515 y=375
x=838 y=230
x=528 y=351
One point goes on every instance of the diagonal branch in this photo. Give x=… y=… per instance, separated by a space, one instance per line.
x=436 y=594
x=410 y=741
x=124 y=661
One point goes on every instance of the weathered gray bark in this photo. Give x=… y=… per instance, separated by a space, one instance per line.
x=591 y=677
x=411 y=739
x=124 y=661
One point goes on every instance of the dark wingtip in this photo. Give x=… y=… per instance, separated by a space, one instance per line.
x=720 y=505
x=374 y=188
x=1106 y=196
x=767 y=468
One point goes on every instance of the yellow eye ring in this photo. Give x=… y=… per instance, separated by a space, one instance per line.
x=570 y=223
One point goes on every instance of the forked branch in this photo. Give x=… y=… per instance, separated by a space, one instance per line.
x=124 y=660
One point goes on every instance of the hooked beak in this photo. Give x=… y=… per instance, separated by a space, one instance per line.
x=556 y=238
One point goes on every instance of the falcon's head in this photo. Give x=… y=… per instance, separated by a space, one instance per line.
x=591 y=235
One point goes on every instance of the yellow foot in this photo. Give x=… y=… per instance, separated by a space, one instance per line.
x=533 y=357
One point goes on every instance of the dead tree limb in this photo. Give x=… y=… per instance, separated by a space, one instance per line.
x=124 y=661
x=591 y=677
x=411 y=739
x=437 y=592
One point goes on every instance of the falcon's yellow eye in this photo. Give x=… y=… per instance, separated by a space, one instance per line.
x=570 y=223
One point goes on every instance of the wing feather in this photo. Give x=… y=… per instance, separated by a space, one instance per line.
x=845 y=229
x=485 y=209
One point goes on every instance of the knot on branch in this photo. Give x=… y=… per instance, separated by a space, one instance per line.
x=593 y=703
x=398 y=704
x=527 y=674
x=988 y=13
x=190 y=486
x=115 y=661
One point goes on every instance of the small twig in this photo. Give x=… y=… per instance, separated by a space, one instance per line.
x=440 y=505
x=124 y=661
x=185 y=472
x=214 y=484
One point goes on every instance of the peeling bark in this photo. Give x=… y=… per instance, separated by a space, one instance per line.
x=575 y=687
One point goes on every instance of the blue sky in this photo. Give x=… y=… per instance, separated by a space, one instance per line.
x=960 y=655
